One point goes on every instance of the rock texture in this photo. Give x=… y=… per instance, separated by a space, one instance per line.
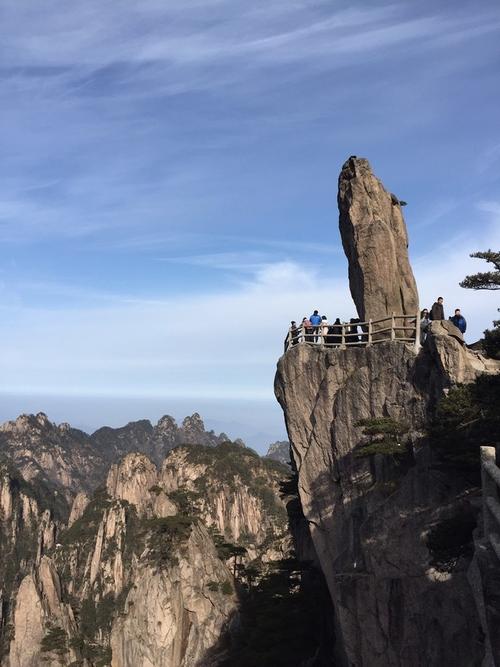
x=154 y=441
x=369 y=517
x=378 y=522
x=61 y=456
x=73 y=462
x=375 y=242
x=143 y=573
x=279 y=451
x=173 y=618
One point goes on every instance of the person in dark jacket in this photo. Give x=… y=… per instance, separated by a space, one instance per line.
x=437 y=310
x=459 y=321
x=336 y=330
x=352 y=332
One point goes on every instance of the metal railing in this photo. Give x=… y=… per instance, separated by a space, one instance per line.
x=490 y=482
x=398 y=328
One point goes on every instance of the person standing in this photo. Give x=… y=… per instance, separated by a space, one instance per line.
x=424 y=325
x=324 y=329
x=437 y=310
x=337 y=332
x=459 y=321
x=352 y=335
x=315 y=320
x=307 y=330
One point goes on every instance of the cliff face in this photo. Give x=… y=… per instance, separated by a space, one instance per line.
x=382 y=523
x=154 y=441
x=370 y=517
x=375 y=242
x=59 y=455
x=279 y=451
x=71 y=461
x=143 y=573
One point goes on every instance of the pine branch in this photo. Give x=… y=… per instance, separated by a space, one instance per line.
x=489 y=280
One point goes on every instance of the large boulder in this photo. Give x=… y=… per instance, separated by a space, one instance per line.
x=375 y=242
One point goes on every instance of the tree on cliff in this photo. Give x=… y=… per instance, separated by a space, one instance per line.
x=489 y=280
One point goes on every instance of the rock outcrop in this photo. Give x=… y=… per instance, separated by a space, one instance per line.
x=143 y=573
x=174 y=617
x=279 y=451
x=375 y=242
x=369 y=517
x=58 y=455
x=74 y=462
x=379 y=520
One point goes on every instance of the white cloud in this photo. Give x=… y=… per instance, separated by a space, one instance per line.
x=222 y=344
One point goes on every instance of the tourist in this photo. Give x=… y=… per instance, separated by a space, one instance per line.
x=336 y=330
x=352 y=332
x=324 y=328
x=437 y=310
x=307 y=330
x=293 y=337
x=459 y=320
x=424 y=325
x=315 y=321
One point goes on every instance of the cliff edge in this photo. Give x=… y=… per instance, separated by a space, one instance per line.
x=378 y=521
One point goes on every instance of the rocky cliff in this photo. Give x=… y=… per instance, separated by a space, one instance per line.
x=279 y=451
x=72 y=461
x=145 y=570
x=391 y=525
x=375 y=242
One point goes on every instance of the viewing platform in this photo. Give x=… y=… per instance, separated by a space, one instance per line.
x=394 y=328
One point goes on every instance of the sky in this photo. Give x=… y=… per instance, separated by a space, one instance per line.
x=168 y=188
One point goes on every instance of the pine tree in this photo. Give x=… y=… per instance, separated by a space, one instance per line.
x=489 y=280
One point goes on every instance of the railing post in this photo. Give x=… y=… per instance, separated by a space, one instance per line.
x=417 y=333
x=370 y=331
x=393 y=324
x=342 y=340
x=489 y=487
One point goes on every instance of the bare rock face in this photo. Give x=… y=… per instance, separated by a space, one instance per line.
x=370 y=517
x=375 y=242
x=172 y=618
x=78 y=507
x=135 y=479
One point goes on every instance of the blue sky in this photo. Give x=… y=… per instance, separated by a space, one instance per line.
x=169 y=172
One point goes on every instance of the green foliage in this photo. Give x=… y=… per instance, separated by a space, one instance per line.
x=465 y=419
x=213 y=586
x=185 y=500
x=226 y=464
x=280 y=621
x=84 y=529
x=165 y=534
x=226 y=588
x=491 y=341
x=55 y=641
x=385 y=436
x=489 y=280
x=155 y=489
x=46 y=494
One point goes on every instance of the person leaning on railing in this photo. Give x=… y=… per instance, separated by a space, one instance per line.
x=424 y=325
x=307 y=329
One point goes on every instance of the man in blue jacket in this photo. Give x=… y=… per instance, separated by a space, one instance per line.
x=459 y=320
x=315 y=320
